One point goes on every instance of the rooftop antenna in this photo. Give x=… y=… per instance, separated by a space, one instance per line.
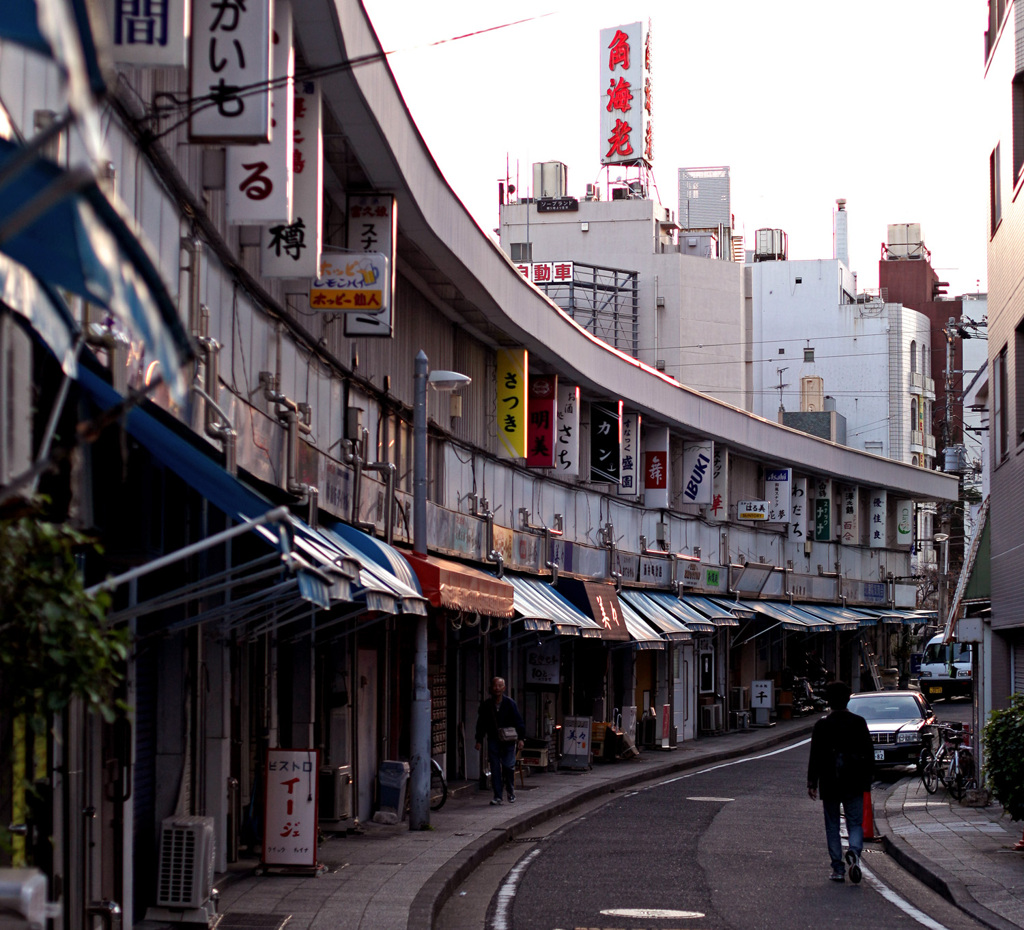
x=782 y=409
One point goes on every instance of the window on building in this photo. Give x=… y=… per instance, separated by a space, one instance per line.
x=995 y=196
x=809 y=354
x=1018 y=368
x=522 y=251
x=913 y=414
x=913 y=356
x=1017 y=93
x=1000 y=432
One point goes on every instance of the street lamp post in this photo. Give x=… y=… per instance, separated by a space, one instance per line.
x=419 y=800
x=943 y=538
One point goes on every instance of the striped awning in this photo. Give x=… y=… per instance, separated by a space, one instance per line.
x=671 y=627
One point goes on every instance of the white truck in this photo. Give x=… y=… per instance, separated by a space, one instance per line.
x=946 y=669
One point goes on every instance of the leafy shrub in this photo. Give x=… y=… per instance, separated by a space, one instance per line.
x=1004 y=756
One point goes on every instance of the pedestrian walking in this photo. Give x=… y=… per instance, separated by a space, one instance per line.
x=841 y=768
x=500 y=721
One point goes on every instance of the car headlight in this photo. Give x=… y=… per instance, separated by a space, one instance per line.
x=914 y=737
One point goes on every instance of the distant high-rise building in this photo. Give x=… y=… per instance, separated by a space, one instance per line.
x=704 y=198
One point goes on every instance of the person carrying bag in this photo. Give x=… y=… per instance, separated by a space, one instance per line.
x=500 y=721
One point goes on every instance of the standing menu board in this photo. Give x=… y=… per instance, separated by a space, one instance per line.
x=575 y=743
x=290 y=808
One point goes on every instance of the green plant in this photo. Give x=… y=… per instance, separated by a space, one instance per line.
x=55 y=642
x=1004 y=753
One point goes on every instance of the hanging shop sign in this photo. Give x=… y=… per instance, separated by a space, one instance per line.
x=543 y=664
x=605 y=442
x=149 y=33
x=823 y=510
x=753 y=510
x=656 y=467
x=799 y=511
x=290 y=807
x=540 y=431
x=904 y=522
x=293 y=250
x=877 y=513
x=778 y=491
x=719 y=509
x=351 y=282
x=567 y=446
x=230 y=53
x=625 y=93
x=511 y=366
x=258 y=187
x=697 y=461
x=372 y=227
x=629 y=456
x=850 y=517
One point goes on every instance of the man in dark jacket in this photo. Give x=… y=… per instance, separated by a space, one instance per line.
x=499 y=713
x=841 y=766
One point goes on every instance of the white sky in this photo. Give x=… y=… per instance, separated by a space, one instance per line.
x=877 y=101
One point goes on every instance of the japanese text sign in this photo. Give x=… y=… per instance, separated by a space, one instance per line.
x=697 y=461
x=823 y=510
x=543 y=664
x=541 y=273
x=351 y=282
x=290 y=807
x=604 y=608
x=752 y=510
x=656 y=466
x=230 y=55
x=605 y=441
x=799 y=511
x=372 y=227
x=293 y=250
x=540 y=431
x=149 y=33
x=567 y=446
x=877 y=513
x=259 y=177
x=625 y=94
x=510 y=371
x=904 y=522
x=778 y=484
x=629 y=456
x=849 y=504
x=719 y=509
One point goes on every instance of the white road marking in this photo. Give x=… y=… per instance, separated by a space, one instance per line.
x=507 y=892
x=886 y=892
x=651 y=912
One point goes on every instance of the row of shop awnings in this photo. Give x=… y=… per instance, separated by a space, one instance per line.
x=340 y=569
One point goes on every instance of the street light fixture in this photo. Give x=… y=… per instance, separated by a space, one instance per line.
x=442 y=380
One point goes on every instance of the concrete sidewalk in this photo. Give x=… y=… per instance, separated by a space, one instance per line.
x=964 y=853
x=390 y=878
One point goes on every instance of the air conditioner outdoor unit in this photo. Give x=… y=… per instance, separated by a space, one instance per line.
x=739 y=698
x=335 y=793
x=185 y=871
x=711 y=717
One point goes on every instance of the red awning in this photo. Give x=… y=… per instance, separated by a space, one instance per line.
x=460 y=587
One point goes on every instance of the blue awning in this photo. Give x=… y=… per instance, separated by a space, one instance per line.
x=739 y=609
x=693 y=620
x=63 y=229
x=378 y=552
x=714 y=611
x=786 y=619
x=641 y=635
x=841 y=617
x=536 y=600
x=671 y=627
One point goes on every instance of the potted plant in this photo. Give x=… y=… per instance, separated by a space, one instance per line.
x=1004 y=758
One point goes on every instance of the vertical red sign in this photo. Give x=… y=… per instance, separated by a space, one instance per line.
x=541 y=422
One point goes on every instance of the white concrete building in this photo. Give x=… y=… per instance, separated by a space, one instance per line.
x=808 y=323
x=689 y=311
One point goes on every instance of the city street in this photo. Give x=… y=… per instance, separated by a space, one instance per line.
x=733 y=845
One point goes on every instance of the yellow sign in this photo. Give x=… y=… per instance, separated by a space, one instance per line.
x=511 y=368
x=353 y=282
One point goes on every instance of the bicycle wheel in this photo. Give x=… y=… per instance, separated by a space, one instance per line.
x=964 y=774
x=929 y=773
x=957 y=785
x=438 y=786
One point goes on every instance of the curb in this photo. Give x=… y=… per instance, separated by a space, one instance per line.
x=438 y=889
x=931 y=875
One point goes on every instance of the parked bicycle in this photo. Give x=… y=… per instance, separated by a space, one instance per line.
x=438 y=788
x=952 y=763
